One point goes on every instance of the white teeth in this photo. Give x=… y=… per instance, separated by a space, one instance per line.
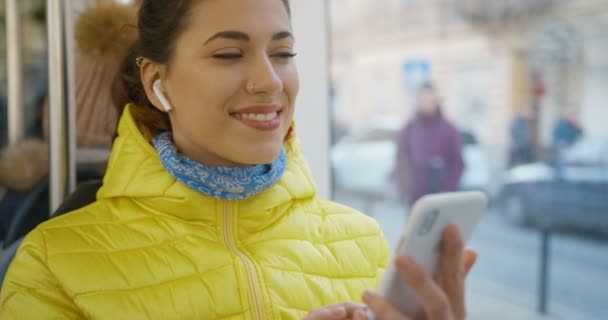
x=270 y=116
x=257 y=116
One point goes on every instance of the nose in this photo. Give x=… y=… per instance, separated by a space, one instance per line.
x=263 y=77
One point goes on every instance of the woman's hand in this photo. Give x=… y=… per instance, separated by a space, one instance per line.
x=336 y=312
x=441 y=299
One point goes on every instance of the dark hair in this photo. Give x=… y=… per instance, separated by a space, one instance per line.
x=159 y=24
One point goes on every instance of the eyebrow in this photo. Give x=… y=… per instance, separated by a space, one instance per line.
x=282 y=35
x=242 y=36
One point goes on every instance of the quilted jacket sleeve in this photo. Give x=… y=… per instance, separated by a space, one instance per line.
x=30 y=290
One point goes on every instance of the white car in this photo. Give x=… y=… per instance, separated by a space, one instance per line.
x=364 y=162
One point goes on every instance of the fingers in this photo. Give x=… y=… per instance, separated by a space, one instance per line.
x=337 y=311
x=432 y=298
x=470 y=257
x=453 y=270
x=328 y=313
x=360 y=315
x=381 y=308
x=351 y=308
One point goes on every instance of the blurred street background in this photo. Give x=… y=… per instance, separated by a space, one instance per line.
x=525 y=84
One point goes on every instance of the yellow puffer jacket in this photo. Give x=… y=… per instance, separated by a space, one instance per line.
x=152 y=248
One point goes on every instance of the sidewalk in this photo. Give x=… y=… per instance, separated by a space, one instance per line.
x=490 y=301
x=483 y=306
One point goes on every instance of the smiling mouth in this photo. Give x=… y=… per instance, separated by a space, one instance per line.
x=261 y=121
x=259 y=117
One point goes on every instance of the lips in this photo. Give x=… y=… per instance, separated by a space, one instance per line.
x=260 y=117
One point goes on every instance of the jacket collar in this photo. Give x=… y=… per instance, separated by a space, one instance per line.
x=135 y=172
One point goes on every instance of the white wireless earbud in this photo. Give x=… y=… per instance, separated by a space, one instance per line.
x=158 y=90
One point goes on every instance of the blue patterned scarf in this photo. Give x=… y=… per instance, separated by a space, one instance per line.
x=227 y=183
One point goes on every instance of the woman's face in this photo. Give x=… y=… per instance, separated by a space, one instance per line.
x=232 y=82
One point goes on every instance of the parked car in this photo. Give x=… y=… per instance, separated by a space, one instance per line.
x=364 y=161
x=568 y=192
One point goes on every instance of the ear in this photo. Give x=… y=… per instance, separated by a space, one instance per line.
x=149 y=72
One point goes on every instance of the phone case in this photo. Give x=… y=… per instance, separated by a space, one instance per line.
x=421 y=239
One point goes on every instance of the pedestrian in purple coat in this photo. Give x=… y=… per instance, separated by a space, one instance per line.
x=429 y=150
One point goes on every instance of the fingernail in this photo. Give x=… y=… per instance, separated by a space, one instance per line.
x=368 y=297
x=403 y=262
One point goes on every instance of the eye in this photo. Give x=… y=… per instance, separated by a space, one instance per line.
x=227 y=56
x=285 y=55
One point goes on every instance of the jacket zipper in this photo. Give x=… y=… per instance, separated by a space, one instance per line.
x=254 y=288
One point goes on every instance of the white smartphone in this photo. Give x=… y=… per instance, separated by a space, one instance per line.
x=421 y=239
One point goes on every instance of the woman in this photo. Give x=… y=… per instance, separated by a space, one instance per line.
x=188 y=224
